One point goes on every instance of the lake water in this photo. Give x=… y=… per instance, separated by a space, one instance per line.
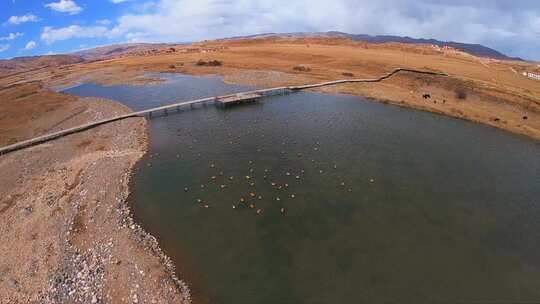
x=315 y=198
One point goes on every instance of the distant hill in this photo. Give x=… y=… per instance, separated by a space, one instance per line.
x=473 y=49
x=20 y=64
x=116 y=50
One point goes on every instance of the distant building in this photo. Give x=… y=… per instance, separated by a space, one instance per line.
x=531 y=75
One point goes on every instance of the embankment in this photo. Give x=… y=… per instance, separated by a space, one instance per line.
x=66 y=234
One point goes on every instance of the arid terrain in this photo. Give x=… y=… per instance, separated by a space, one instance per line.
x=65 y=231
x=66 y=234
x=486 y=90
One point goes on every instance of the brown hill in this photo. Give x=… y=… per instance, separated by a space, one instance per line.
x=118 y=50
x=24 y=64
x=470 y=48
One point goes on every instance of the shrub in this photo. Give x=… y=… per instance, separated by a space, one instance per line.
x=215 y=63
x=301 y=68
x=347 y=74
x=172 y=66
x=461 y=93
x=209 y=63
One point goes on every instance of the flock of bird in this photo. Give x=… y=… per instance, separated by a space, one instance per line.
x=257 y=181
x=282 y=190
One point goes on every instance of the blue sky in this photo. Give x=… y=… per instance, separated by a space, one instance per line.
x=32 y=27
x=19 y=33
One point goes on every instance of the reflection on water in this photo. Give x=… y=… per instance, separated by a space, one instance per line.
x=312 y=198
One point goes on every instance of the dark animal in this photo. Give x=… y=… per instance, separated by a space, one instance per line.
x=426 y=96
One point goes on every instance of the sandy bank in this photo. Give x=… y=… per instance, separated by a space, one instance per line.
x=66 y=235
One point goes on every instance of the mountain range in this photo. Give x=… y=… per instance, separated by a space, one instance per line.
x=473 y=49
x=19 y=64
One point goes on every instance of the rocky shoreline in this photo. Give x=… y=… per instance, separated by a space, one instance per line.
x=81 y=279
x=66 y=230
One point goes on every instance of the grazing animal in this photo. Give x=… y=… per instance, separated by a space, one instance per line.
x=426 y=96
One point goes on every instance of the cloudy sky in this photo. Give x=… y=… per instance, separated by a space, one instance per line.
x=34 y=27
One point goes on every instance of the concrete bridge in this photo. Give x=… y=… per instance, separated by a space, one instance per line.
x=220 y=101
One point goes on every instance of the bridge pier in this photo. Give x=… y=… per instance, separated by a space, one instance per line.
x=239 y=98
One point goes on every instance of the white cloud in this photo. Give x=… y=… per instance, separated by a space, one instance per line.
x=118 y=1
x=15 y=20
x=51 y=35
x=65 y=6
x=4 y=47
x=30 y=45
x=11 y=36
x=104 y=22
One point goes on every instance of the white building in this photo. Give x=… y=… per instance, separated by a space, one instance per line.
x=531 y=75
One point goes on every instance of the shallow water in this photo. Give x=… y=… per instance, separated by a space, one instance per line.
x=390 y=204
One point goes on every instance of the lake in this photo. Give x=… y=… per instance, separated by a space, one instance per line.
x=317 y=198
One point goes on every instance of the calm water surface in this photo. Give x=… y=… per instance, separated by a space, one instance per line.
x=360 y=202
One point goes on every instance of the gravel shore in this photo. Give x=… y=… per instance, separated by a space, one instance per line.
x=66 y=233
